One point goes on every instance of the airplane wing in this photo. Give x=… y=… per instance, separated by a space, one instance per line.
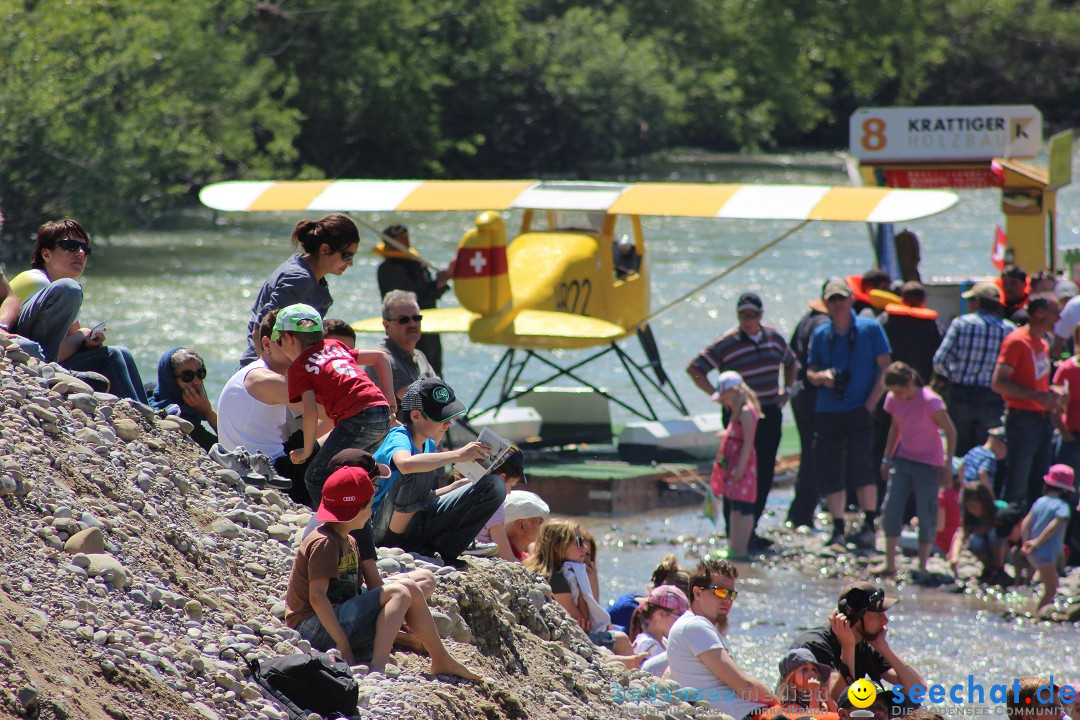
x=704 y=200
x=446 y=320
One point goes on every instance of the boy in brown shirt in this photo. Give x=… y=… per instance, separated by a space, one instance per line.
x=325 y=603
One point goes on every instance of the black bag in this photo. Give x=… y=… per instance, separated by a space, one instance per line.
x=308 y=682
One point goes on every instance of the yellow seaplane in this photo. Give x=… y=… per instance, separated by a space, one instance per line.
x=577 y=274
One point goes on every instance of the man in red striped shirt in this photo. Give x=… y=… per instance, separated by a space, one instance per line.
x=756 y=352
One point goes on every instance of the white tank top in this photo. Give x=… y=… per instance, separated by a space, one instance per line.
x=244 y=420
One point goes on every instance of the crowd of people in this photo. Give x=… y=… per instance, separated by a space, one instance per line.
x=949 y=432
x=957 y=437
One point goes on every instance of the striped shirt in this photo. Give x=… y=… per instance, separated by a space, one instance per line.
x=758 y=362
x=970 y=349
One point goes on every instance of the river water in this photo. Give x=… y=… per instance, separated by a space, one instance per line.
x=191 y=281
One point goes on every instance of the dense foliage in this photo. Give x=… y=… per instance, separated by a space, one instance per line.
x=116 y=110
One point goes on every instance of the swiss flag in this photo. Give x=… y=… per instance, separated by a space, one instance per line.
x=473 y=262
x=997 y=252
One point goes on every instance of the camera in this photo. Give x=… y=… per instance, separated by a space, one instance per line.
x=841 y=378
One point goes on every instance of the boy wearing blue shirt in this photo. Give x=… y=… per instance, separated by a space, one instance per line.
x=409 y=512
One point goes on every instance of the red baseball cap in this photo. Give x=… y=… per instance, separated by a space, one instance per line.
x=346 y=491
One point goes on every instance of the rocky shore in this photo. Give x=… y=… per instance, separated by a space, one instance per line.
x=129 y=562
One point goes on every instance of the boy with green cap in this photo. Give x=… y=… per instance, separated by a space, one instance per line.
x=326 y=372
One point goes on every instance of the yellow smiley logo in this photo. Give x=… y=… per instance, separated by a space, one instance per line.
x=862 y=693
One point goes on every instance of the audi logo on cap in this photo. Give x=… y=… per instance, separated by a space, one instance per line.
x=349 y=498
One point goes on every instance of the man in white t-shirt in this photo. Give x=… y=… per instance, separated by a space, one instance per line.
x=254 y=410
x=699 y=656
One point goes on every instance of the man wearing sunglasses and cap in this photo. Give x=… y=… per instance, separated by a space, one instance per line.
x=854 y=642
x=403 y=270
x=698 y=652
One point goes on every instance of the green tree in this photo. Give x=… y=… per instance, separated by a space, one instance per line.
x=113 y=112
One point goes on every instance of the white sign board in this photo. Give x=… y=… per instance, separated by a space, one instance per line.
x=945 y=134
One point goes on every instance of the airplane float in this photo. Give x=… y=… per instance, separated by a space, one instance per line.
x=570 y=279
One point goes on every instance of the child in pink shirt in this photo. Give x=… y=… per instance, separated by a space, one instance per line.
x=915 y=461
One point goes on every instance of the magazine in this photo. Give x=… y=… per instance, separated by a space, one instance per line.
x=500 y=447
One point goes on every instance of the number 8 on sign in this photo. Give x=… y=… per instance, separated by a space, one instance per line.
x=873 y=137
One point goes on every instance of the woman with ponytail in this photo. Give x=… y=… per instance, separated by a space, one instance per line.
x=327 y=248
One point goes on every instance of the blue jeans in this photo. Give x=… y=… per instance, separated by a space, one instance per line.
x=905 y=478
x=364 y=431
x=446 y=524
x=1030 y=437
x=115 y=363
x=974 y=409
x=48 y=314
x=357 y=617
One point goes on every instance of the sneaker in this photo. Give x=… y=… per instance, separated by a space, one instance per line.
x=836 y=539
x=230 y=460
x=479 y=549
x=96 y=381
x=758 y=543
x=863 y=539
x=263 y=465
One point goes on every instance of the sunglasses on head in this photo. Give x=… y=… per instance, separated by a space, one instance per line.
x=189 y=375
x=406 y=319
x=346 y=256
x=722 y=592
x=73 y=246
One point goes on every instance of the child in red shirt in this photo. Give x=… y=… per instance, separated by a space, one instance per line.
x=327 y=373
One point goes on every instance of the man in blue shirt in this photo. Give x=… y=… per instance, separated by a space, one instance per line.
x=847 y=357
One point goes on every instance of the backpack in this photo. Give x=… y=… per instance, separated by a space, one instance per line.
x=303 y=683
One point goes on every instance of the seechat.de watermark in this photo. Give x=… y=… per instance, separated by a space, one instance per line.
x=1006 y=699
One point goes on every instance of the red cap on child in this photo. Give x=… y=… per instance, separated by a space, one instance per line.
x=345 y=492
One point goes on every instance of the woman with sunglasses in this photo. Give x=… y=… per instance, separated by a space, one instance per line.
x=180 y=383
x=328 y=246
x=51 y=300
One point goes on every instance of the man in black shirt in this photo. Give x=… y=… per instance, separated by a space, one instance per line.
x=854 y=644
x=402 y=270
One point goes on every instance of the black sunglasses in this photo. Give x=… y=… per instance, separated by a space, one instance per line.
x=73 y=246
x=580 y=541
x=189 y=375
x=406 y=319
x=346 y=256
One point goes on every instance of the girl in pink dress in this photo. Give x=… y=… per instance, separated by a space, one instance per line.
x=734 y=475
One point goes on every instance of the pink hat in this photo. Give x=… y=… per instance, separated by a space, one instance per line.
x=670 y=597
x=1061 y=477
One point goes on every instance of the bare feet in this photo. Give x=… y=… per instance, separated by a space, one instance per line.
x=451 y=666
x=883 y=570
x=631 y=661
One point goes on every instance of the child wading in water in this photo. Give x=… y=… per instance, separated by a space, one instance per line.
x=734 y=475
x=1043 y=529
x=914 y=463
x=560 y=557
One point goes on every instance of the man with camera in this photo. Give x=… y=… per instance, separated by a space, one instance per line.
x=854 y=642
x=847 y=357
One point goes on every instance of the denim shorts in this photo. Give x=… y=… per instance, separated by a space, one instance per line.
x=1046 y=554
x=603 y=638
x=982 y=544
x=357 y=616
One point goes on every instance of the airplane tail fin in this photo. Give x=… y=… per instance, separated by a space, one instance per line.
x=481 y=282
